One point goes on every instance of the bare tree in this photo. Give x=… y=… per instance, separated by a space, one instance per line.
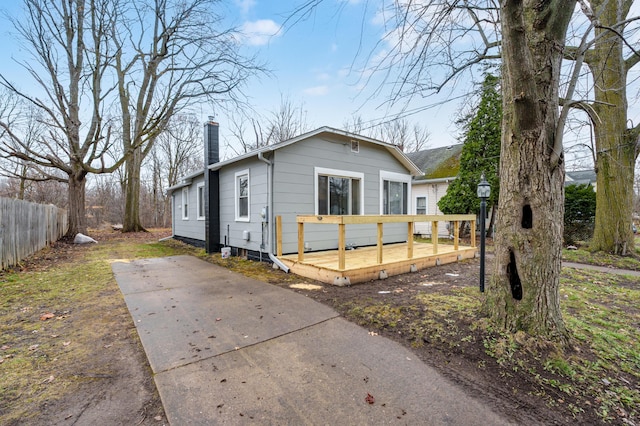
x=177 y=152
x=69 y=50
x=420 y=138
x=609 y=58
x=250 y=132
x=168 y=54
x=355 y=124
x=287 y=122
x=399 y=132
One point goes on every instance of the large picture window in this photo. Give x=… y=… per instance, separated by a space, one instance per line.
x=338 y=192
x=395 y=193
x=200 y=200
x=242 y=196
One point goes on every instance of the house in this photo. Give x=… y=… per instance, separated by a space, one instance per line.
x=234 y=203
x=440 y=166
x=581 y=177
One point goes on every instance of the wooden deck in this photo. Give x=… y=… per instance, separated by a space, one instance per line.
x=342 y=267
x=362 y=265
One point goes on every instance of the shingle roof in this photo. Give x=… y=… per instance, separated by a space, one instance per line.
x=579 y=177
x=442 y=162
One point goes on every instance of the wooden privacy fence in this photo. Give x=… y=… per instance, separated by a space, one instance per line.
x=28 y=227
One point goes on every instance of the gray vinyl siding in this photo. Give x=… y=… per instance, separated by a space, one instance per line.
x=231 y=230
x=191 y=227
x=294 y=192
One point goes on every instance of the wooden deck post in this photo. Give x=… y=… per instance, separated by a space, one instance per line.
x=434 y=236
x=410 y=240
x=473 y=233
x=341 y=244
x=379 y=244
x=279 y=236
x=300 y=241
x=456 y=234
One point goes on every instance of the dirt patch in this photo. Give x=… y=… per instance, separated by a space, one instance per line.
x=514 y=382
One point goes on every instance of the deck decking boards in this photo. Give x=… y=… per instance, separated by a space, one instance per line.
x=361 y=264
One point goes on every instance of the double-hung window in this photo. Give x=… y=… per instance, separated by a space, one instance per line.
x=396 y=188
x=338 y=192
x=242 y=196
x=421 y=205
x=185 y=203
x=200 y=201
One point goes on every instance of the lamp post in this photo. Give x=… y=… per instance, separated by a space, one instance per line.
x=484 y=191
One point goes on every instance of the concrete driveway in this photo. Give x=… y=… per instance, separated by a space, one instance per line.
x=226 y=349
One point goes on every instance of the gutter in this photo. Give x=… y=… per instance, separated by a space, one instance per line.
x=273 y=258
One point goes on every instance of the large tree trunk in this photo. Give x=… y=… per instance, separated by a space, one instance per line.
x=131 y=222
x=76 y=208
x=616 y=149
x=523 y=292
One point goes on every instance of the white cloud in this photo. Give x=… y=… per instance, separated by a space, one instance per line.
x=323 y=76
x=245 y=5
x=316 y=91
x=258 y=33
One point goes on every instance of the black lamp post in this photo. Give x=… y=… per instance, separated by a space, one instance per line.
x=484 y=191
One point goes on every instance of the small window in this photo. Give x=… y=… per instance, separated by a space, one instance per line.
x=242 y=196
x=185 y=203
x=421 y=205
x=338 y=192
x=200 y=201
x=355 y=146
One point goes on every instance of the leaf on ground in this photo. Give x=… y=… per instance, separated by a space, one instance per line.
x=47 y=316
x=370 y=399
x=48 y=379
x=66 y=343
x=33 y=347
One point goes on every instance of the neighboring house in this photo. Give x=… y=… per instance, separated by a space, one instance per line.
x=234 y=203
x=581 y=177
x=440 y=166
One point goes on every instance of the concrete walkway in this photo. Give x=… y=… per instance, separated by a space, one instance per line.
x=226 y=349
x=605 y=269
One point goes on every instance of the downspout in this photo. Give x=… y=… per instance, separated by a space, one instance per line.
x=270 y=216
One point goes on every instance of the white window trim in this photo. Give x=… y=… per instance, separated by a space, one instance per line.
x=395 y=177
x=185 y=202
x=337 y=173
x=237 y=194
x=204 y=194
x=426 y=203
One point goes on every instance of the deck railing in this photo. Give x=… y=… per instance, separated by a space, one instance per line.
x=380 y=220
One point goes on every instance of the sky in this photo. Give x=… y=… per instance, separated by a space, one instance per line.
x=317 y=63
